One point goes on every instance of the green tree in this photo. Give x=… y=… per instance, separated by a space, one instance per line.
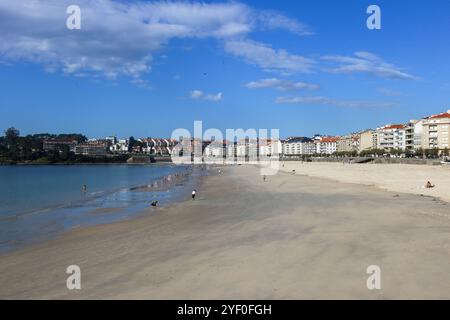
x=11 y=136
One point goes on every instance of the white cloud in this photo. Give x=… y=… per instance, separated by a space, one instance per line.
x=273 y=20
x=366 y=62
x=280 y=84
x=200 y=95
x=318 y=100
x=268 y=58
x=119 y=38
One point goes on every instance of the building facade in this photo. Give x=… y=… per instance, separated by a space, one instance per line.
x=58 y=144
x=92 y=148
x=436 y=133
x=295 y=146
x=326 y=145
x=367 y=140
x=391 y=136
x=348 y=143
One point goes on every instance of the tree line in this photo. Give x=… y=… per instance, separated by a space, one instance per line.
x=29 y=149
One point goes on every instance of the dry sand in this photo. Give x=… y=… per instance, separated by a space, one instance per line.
x=406 y=178
x=292 y=237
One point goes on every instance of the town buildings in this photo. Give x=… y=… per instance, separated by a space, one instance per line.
x=296 y=146
x=326 y=145
x=391 y=136
x=58 y=144
x=436 y=131
x=367 y=140
x=92 y=148
x=158 y=146
x=413 y=137
x=348 y=143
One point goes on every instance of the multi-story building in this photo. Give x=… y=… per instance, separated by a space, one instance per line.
x=367 y=140
x=418 y=134
x=298 y=146
x=158 y=146
x=231 y=151
x=348 y=143
x=409 y=135
x=269 y=148
x=58 y=144
x=216 y=149
x=111 y=139
x=247 y=149
x=436 y=133
x=120 y=146
x=391 y=136
x=326 y=145
x=92 y=148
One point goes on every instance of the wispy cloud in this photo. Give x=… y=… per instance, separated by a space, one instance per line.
x=272 y=20
x=281 y=84
x=366 y=62
x=318 y=100
x=123 y=38
x=200 y=95
x=264 y=56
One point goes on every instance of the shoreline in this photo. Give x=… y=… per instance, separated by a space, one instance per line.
x=96 y=208
x=85 y=163
x=291 y=237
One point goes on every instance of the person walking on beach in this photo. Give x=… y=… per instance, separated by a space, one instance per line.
x=193 y=194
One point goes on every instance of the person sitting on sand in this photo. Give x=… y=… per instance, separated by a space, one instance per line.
x=193 y=194
x=429 y=185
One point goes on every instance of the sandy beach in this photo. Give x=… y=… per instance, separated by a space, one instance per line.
x=406 y=178
x=291 y=237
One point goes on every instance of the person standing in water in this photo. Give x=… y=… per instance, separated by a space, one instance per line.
x=84 y=189
x=193 y=194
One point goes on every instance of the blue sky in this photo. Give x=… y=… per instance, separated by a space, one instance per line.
x=145 y=68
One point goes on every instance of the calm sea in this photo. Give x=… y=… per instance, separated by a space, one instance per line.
x=38 y=202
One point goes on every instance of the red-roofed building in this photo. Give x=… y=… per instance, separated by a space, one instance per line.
x=391 y=136
x=326 y=145
x=436 y=133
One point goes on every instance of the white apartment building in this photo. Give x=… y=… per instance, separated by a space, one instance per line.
x=326 y=145
x=418 y=134
x=391 y=136
x=231 y=150
x=269 y=148
x=215 y=149
x=121 y=146
x=247 y=149
x=298 y=146
x=436 y=133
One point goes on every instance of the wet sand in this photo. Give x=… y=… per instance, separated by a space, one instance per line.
x=291 y=237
